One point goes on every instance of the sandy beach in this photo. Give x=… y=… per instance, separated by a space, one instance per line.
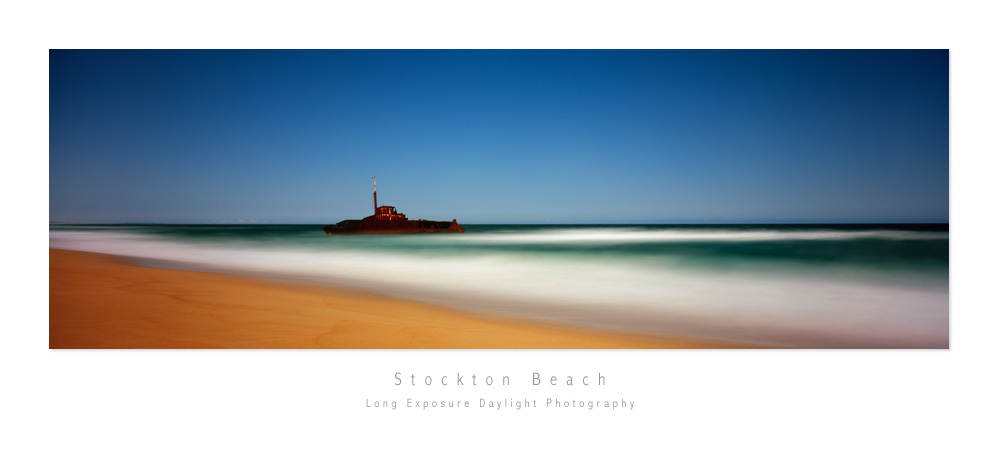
x=102 y=301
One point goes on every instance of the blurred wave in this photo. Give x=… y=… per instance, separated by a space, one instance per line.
x=801 y=286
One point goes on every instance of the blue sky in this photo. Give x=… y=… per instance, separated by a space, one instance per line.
x=199 y=136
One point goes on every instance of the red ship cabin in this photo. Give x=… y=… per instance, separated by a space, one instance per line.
x=386 y=213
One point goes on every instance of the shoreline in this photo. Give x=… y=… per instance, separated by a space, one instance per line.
x=103 y=301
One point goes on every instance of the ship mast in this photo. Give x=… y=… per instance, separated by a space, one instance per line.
x=375 y=194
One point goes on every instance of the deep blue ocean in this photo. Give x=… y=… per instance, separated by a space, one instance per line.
x=883 y=286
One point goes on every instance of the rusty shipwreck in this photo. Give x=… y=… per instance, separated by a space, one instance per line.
x=387 y=220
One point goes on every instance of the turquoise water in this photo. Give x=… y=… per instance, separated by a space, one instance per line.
x=786 y=285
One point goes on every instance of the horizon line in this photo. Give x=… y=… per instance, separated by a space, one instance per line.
x=791 y=222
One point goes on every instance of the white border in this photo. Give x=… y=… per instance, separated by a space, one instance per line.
x=713 y=399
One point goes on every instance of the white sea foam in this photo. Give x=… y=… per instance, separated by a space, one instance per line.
x=633 y=235
x=794 y=308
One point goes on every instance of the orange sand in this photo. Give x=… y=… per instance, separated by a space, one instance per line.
x=99 y=301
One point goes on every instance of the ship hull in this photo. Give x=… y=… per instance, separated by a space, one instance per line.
x=393 y=226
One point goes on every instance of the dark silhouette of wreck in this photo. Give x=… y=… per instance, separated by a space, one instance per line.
x=387 y=220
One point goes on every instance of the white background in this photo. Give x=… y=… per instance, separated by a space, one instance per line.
x=316 y=399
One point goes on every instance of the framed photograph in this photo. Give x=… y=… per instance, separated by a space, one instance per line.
x=504 y=199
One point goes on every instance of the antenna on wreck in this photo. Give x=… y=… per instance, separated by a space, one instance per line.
x=375 y=194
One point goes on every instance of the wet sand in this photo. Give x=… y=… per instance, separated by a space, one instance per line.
x=102 y=301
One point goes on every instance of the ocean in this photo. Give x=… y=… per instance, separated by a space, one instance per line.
x=799 y=286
